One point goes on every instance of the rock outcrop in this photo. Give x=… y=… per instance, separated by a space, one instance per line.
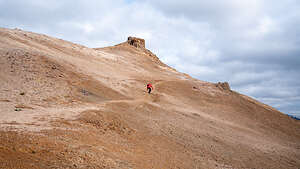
x=223 y=86
x=136 y=42
x=138 y=45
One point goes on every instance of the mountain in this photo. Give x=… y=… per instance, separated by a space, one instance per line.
x=294 y=117
x=64 y=105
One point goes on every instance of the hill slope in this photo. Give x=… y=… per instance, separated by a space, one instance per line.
x=64 y=105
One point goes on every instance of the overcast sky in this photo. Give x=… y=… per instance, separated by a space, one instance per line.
x=252 y=44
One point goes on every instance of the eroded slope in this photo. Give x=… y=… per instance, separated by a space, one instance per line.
x=88 y=108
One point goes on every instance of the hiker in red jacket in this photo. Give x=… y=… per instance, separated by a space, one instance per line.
x=149 y=87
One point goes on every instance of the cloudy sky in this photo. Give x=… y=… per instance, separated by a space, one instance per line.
x=252 y=44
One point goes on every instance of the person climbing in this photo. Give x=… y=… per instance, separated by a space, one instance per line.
x=149 y=87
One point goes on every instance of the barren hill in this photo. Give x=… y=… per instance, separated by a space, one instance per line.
x=63 y=105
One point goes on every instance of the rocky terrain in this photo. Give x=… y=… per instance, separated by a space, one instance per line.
x=64 y=105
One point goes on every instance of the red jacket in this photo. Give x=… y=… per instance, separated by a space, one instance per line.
x=149 y=86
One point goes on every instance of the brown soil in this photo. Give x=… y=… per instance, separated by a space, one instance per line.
x=64 y=105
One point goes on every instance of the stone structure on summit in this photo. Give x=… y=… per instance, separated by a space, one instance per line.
x=137 y=42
